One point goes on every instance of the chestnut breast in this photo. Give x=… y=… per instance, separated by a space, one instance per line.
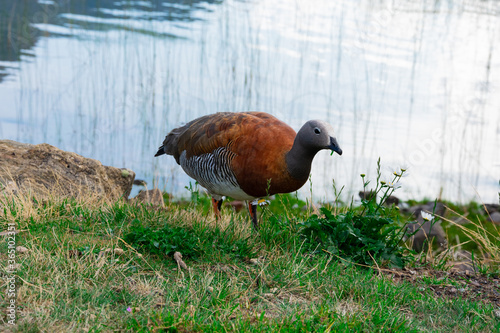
x=260 y=165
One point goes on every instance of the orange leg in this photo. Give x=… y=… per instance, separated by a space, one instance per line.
x=217 y=204
x=253 y=214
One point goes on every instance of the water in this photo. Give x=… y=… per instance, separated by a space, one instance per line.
x=412 y=82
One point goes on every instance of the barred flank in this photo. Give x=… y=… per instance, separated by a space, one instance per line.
x=211 y=169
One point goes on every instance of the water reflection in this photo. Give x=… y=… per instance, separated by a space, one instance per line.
x=16 y=32
x=415 y=83
x=23 y=23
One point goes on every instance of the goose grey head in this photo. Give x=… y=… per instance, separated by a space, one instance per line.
x=316 y=135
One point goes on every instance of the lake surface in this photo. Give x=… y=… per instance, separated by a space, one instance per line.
x=415 y=83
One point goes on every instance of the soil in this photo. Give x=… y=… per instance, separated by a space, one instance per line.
x=451 y=284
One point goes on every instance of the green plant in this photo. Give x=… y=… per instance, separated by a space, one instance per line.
x=164 y=241
x=359 y=238
x=364 y=237
x=194 y=241
x=227 y=241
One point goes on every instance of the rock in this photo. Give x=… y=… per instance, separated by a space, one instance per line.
x=369 y=195
x=462 y=267
x=462 y=262
x=366 y=195
x=392 y=200
x=491 y=208
x=439 y=210
x=494 y=217
x=44 y=169
x=140 y=182
x=153 y=197
x=238 y=205
x=425 y=230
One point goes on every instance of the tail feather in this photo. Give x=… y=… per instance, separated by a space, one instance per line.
x=170 y=144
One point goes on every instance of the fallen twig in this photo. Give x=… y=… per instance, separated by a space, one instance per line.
x=180 y=262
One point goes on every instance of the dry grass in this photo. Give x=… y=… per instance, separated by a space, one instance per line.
x=488 y=239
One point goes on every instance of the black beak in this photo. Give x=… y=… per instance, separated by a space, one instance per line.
x=334 y=145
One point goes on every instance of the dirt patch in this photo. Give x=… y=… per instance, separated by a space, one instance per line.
x=451 y=284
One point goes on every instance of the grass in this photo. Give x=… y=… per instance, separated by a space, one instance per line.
x=237 y=279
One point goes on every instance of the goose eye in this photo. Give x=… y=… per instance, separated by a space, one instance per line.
x=317 y=130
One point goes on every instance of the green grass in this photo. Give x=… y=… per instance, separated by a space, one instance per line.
x=237 y=279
